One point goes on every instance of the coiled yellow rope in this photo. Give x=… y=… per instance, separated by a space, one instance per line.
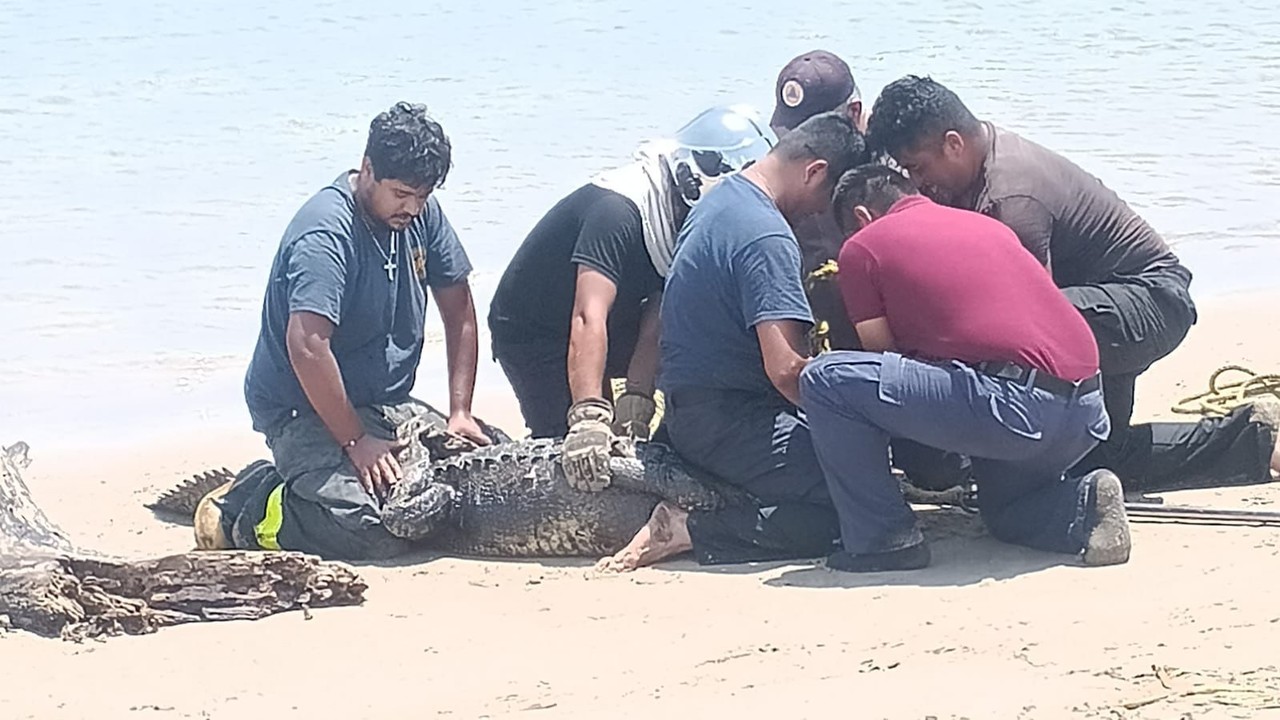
x=1223 y=397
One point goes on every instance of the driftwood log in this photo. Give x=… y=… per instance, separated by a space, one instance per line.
x=50 y=587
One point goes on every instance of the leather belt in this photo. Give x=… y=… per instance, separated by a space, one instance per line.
x=1030 y=376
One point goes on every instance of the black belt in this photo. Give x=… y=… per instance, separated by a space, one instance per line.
x=1037 y=379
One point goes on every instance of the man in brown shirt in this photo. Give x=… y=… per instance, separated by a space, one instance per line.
x=1113 y=266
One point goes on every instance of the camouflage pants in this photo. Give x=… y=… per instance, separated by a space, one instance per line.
x=312 y=499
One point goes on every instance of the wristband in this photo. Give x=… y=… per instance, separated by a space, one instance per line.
x=634 y=388
x=595 y=408
x=352 y=442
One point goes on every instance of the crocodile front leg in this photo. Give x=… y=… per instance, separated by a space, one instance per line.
x=417 y=515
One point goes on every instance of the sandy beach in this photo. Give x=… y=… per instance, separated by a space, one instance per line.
x=1187 y=628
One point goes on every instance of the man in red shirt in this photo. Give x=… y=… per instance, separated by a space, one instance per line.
x=969 y=347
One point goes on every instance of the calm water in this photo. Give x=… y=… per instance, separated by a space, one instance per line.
x=152 y=152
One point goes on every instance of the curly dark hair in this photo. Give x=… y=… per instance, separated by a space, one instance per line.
x=912 y=109
x=405 y=144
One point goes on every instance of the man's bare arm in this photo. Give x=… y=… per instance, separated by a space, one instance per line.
x=782 y=348
x=875 y=336
x=588 y=333
x=458 y=315
x=643 y=367
x=307 y=339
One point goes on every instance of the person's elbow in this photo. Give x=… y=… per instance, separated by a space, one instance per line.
x=589 y=317
x=784 y=375
x=455 y=303
x=306 y=339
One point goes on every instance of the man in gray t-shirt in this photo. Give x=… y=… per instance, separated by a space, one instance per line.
x=341 y=338
x=734 y=316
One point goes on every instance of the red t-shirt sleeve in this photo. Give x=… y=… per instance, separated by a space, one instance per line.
x=860 y=283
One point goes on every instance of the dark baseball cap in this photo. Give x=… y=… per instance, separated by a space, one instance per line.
x=812 y=83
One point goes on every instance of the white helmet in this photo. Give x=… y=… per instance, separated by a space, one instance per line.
x=719 y=142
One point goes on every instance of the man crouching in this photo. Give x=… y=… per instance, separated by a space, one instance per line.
x=734 y=316
x=970 y=348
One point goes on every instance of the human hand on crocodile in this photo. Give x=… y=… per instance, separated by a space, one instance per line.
x=465 y=426
x=375 y=461
x=584 y=455
x=633 y=413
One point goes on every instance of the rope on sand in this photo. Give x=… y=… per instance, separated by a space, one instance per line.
x=1223 y=397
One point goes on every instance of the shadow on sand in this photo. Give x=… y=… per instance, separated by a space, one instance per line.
x=963 y=554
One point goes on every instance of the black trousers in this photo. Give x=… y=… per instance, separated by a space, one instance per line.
x=309 y=497
x=539 y=375
x=761 y=444
x=1136 y=323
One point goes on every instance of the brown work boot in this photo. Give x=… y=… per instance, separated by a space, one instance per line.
x=1266 y=411
x=1108 y=542
x=208 y=520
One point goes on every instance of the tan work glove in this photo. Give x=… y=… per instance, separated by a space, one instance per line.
x=633 y=414
x=585 y=452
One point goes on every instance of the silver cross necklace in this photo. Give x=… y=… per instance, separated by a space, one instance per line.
x=390 y=265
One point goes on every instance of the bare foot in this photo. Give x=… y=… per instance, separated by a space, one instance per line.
x=666 y=534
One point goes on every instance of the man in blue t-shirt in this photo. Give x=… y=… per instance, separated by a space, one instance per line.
x=341 y=339
x=734 y=317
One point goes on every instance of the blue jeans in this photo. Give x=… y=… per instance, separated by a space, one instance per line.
x=1021 y=439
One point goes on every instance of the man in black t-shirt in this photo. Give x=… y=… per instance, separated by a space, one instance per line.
x=578 y=303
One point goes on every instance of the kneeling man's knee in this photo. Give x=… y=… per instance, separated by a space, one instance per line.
x=814 y=377
x=824 y=373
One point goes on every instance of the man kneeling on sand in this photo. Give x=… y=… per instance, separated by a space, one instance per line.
x=337 y=355
x=968 y=347
x=734 y=314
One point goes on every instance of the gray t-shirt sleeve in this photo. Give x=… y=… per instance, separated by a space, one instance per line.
x=315 y=275
x=767 y=271
x=1030 y=220
x=447 y=261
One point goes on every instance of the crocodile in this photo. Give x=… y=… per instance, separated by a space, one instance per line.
x=511 y=499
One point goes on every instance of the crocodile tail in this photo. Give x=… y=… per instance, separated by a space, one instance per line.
x=183 y=498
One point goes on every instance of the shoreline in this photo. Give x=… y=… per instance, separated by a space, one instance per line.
x=494 y=400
